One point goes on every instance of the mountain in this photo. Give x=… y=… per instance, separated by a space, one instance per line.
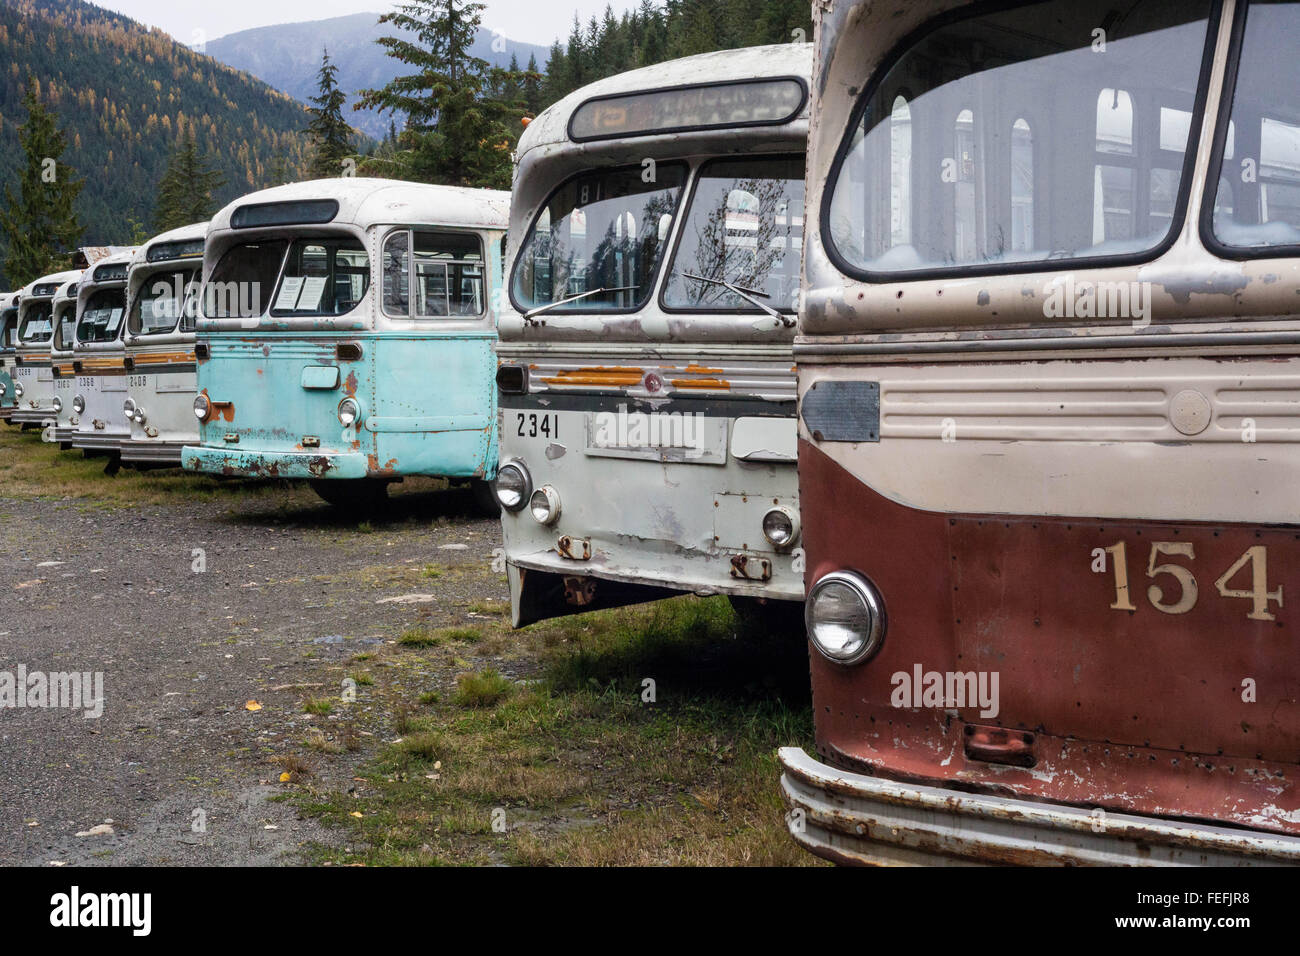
x=288 y=55
x=125 y=94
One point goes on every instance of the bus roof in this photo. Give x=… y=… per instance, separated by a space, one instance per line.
x=140 y=254
x=551 y=126
x=54 y=278
x=364 y=202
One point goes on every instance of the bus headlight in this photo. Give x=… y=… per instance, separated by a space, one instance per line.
x=128 y=409
x=513 y=485
x=349 y=412
x=781 y=527
x=202 y=408
x=18 y=390
x=845 y=617
x=79 y=405
x=58 y=404
x=545 y=505
x=4 y=389
x=138 y=416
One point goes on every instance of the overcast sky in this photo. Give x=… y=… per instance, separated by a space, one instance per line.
x=529 y=21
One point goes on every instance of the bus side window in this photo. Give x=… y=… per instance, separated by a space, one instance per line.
x=449 y=275
x=396 y=274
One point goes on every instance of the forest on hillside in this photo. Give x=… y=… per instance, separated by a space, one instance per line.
x=127 y=96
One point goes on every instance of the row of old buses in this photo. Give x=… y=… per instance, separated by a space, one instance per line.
x=1011 y=391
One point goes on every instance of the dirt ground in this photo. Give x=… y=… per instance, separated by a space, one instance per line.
x=283 y=683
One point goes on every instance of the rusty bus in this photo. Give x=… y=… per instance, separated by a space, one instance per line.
x=33 y=372
x=345 y=337
x=65 y=324
x=161 y=380
x=1049 y=362
x=96 y=426
x=645 y=371
x=8 y=350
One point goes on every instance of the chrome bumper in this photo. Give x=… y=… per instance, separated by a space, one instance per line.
x=152 y=452
x=855 y=819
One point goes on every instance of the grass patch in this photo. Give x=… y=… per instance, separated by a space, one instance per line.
x=420 y=637
x=481 y=690
x=320 y=706
x=584 y=770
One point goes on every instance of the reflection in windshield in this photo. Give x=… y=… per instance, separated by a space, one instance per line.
x=66 y=323
x=1054 y=131
x=101 y=319
x=38 y=327
x=241 y=284
x=601 y=231
x=744 y=227
x=162 y=300
x=1258 y=202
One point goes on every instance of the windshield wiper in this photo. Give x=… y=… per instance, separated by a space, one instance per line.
x=748 y=295
x=574 y=298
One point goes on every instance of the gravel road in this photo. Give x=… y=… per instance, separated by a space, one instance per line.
x=191 y=611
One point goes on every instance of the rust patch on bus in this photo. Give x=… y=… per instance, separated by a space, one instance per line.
x=598 y=375
x=700 y=383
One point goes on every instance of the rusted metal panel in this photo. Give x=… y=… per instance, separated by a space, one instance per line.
x=867 y=820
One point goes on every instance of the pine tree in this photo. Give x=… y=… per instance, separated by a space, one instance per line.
x=458 y=130
x=39 y=226
x=532 y=87
x=185 y=191
x=328 y=132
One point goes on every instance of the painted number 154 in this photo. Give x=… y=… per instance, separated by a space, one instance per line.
x=1179 y=595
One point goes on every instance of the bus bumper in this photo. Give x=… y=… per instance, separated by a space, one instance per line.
x=861 y=820
x=152 y=452
x=253 y=464
x=33 y=416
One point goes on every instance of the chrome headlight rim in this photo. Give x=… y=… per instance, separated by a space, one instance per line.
x=872 y=602
x=128 y=409
x=57 y=405
x=349 y=412
x=79 y=405
x=202 y=407
x=544 y=505
x=4 y=389
x=18 y=390
x=525 y=485
x=139 y=416
x=791 y=537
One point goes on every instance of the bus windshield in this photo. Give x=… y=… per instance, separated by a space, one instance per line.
x=323 y=277
x=599 y=231
x=101 y=320
x=65 y=326
x=165 y=301
x=240 y=286
x=1051 y=131
x=38 y=327
x=744 y=227
x=1257 y=204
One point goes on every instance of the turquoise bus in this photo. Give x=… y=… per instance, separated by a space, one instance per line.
x=8 y=352
x=345 y=337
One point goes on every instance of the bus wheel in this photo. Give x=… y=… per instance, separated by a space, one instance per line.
x=759 y=618
x=485 y=499
x=357 y=494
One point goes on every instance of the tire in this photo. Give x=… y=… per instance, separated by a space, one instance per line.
x=356 y=494
x=485 y=499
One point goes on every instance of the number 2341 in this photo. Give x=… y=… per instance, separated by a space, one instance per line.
x=1256 y=557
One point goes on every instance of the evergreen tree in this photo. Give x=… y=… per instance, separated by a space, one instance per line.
x=532 y=87
x=39 y=226
x=185 y=191
x=459 y=131
x=329 y=133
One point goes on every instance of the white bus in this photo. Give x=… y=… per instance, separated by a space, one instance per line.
x=34 y=373
x=65 y=324
x=646 y=378
x=161 y=380
x=101 y=308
